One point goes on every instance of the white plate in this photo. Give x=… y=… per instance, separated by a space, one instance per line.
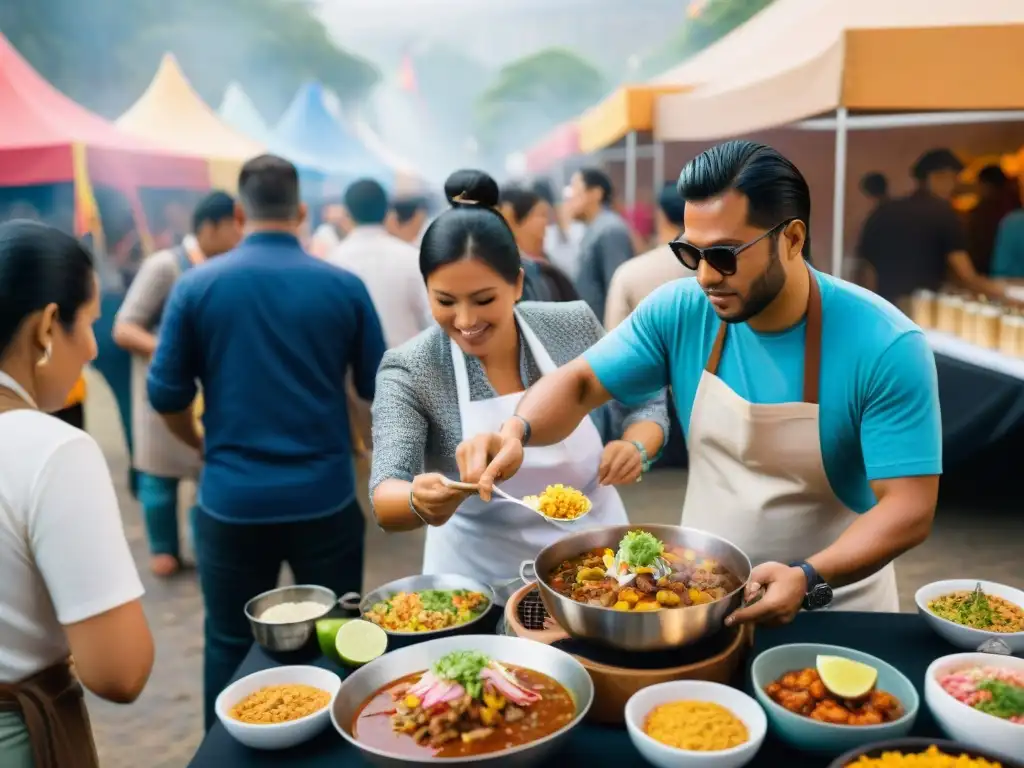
x=966 y=724
x=277 y=735
x=966 y=637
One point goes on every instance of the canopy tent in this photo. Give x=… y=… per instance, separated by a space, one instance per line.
x=406 y=173
x=309 y=126
x=935 y=61
x=237 y=110
x=557 y=146
x=170 y=113
x=630 y=109
x=872 y=55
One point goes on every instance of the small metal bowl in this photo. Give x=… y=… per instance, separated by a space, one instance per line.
x=296 y=635
x=423 y=582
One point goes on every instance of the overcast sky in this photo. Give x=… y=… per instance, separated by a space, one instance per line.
x=498 y=30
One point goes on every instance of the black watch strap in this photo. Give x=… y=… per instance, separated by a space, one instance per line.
x=527 y=431
x=819 y=593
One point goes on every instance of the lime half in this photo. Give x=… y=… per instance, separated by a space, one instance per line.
x=359 y=642
x=846 y=678
x=326 y=632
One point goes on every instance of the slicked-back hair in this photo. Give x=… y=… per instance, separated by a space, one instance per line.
x=268 y=188
x=775 y=189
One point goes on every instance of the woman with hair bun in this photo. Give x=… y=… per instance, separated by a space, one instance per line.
x=465 y=376
x=68 y=584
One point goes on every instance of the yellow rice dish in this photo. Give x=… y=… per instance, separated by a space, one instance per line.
x=560 y=502
x=428 y=610
x=698 y=726
x=930 y=758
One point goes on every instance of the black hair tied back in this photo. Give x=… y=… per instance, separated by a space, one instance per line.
x=472 y=228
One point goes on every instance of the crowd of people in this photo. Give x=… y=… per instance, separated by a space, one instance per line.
x=513 y=337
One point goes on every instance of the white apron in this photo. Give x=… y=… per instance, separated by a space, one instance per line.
x=489 y=540
x=757 y=477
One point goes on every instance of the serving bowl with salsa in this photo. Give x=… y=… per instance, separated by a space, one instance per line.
x=640 y=588
x=971 y=612
x=463 y=699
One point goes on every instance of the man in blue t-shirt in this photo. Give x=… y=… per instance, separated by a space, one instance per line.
x=270 y=333
x=810 y=405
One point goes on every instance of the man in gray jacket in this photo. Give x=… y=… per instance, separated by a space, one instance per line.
x=606 y=244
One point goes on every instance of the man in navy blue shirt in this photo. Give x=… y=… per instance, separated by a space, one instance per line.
x=269 y=333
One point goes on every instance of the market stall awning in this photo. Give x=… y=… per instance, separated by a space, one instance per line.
x=869 y=55
x=309 y=126
x=40 y=128
x=561 y=143
x=630 y=108
x=170 y=113
x=237 y=110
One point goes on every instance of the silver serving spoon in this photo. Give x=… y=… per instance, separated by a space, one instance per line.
x=530 y=502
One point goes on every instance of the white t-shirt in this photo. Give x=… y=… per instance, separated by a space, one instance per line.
x=63 y=554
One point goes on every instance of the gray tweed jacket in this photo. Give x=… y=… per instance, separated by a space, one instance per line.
x=416 y=424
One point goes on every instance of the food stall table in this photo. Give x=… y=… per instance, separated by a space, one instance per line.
x=902 y=639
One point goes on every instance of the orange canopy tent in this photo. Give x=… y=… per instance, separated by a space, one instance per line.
x=172 y=115
x=46 y=138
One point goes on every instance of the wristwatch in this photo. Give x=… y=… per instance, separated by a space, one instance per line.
x=526 y=429
x=819 y=593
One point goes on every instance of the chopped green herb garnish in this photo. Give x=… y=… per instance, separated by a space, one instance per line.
x=464 y=668
x=639 y=549
x=1007 y=700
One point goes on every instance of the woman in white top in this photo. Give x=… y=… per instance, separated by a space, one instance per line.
x=68 y=584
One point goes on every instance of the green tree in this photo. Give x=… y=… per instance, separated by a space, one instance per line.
x=530 y=96
x=104 y=55
x=716 y=19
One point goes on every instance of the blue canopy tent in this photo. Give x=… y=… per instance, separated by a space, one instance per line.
x=311 y=129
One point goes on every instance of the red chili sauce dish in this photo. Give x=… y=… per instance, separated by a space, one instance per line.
x=465 y=705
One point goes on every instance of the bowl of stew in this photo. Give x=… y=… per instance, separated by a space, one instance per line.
x=462 y=699
x=640 y=587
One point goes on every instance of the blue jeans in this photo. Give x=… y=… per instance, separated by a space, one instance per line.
x=238 y=561
x=158 y=497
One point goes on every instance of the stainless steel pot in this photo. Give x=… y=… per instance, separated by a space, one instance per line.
x=640 y=630
x=296 y=635
x=364 y=682
x=418 y=584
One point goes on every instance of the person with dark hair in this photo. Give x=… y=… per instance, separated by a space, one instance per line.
x=638 y=277
x=810 y=405
x=466 y=375
x=160 y=458
x=607 y=244
x=875 y=186
x=527 y=215
x=68 y=584
x=918 y=241
x=997 y=197
x=386 y=264
x=270 y=333
x=408 y=219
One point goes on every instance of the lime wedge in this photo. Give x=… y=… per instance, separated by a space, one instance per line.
x=846 y=678
x=326 y=631
x=359 y=642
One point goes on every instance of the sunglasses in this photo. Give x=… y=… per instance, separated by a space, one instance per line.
x=721 y=258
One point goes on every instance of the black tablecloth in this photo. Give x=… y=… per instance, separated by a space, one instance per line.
x=901 y=639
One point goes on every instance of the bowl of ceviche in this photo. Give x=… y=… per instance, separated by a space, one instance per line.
x=465 y=699
x=971 y=612
x=978 y=699
x=695 y=724
x=427 y=605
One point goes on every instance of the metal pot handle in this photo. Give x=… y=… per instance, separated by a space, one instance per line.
x=350 y=601
x=525 y=568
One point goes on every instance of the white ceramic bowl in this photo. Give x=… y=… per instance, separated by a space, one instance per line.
x=277 y=735
x=965 y=724
x=965 y=637
x=740 y=704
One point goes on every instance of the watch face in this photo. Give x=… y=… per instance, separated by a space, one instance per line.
x=819 y=597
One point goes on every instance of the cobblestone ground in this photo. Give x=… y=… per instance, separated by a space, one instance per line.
x=165 y=724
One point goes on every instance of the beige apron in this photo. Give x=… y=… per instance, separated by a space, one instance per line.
x=51 y=702
x=757 y=477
